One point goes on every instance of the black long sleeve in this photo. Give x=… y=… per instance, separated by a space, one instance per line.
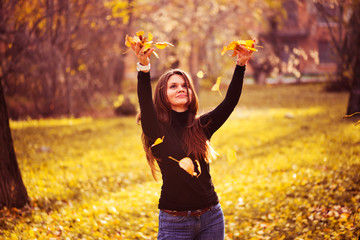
x=180 y=191
x=216 y=118
x=149 y=121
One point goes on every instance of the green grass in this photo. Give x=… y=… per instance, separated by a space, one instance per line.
x=296 y=175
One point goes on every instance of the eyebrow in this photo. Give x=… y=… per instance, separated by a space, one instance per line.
x=177 y=83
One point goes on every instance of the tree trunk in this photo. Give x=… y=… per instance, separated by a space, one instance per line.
x=119 y=73
x=354 y=56
x=12 y=189
x=194 y=64
x=354 y=100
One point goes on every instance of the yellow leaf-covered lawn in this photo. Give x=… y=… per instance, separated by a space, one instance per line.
x=288 y=168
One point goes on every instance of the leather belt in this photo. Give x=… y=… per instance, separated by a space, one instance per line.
x=193 y=213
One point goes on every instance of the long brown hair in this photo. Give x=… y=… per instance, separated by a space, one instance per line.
x=194 y=138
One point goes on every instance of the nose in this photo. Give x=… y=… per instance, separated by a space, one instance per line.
x=181 y=88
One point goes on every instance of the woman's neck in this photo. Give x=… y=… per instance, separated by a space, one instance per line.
x=179 y=109
x=180 y=118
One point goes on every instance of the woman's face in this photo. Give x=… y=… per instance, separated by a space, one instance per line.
x=178 y=93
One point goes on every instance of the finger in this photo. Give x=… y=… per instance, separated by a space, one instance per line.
x=242 y=48
x=133 y=45
x=236 y=51
x=137 y=48
x=149 y=52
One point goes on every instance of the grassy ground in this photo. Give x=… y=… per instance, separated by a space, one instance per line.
x=296 y=174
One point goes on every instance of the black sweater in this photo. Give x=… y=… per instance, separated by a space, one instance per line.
x=180 y=191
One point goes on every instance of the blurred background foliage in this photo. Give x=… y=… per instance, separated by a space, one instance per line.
x=68 y=57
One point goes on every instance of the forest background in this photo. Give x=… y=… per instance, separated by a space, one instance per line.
x=291 y=171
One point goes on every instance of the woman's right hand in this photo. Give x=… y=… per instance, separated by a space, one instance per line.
x=144 y=58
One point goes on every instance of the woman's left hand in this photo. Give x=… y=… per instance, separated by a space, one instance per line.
x=243 y=55
x=143 y=56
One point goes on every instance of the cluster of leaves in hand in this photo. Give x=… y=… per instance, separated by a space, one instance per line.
x=235 y=45
x=248 y=44
x=145 y=42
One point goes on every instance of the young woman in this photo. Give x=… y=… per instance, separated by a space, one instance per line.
x=189 y=206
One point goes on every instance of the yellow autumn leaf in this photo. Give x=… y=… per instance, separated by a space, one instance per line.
x=231 y=156
x=140 y=33
x=232 y=45
x=147 y=46
x=187 y=164
x=127 y=41
x=162 y=45
x=248 y=44
x=145 y=42
x=224 y=50
x=198 y=168
x=158 y=141
x=216 y=86
x=150 y=37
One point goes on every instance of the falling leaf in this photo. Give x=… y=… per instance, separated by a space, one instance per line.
x=187 y=164
x=158 y=141
x=198 y=168
x=216 y=86
x=119 y=101
x=231 y=156
x=248 y=44
x=174 y=159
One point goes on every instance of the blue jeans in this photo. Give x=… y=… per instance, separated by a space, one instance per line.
x=210 y=225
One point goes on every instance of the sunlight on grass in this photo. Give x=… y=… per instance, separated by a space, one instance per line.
x=49 y=122
x=295 y=176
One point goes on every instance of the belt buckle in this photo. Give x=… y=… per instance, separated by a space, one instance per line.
x=197 y=213
x=174 y=213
